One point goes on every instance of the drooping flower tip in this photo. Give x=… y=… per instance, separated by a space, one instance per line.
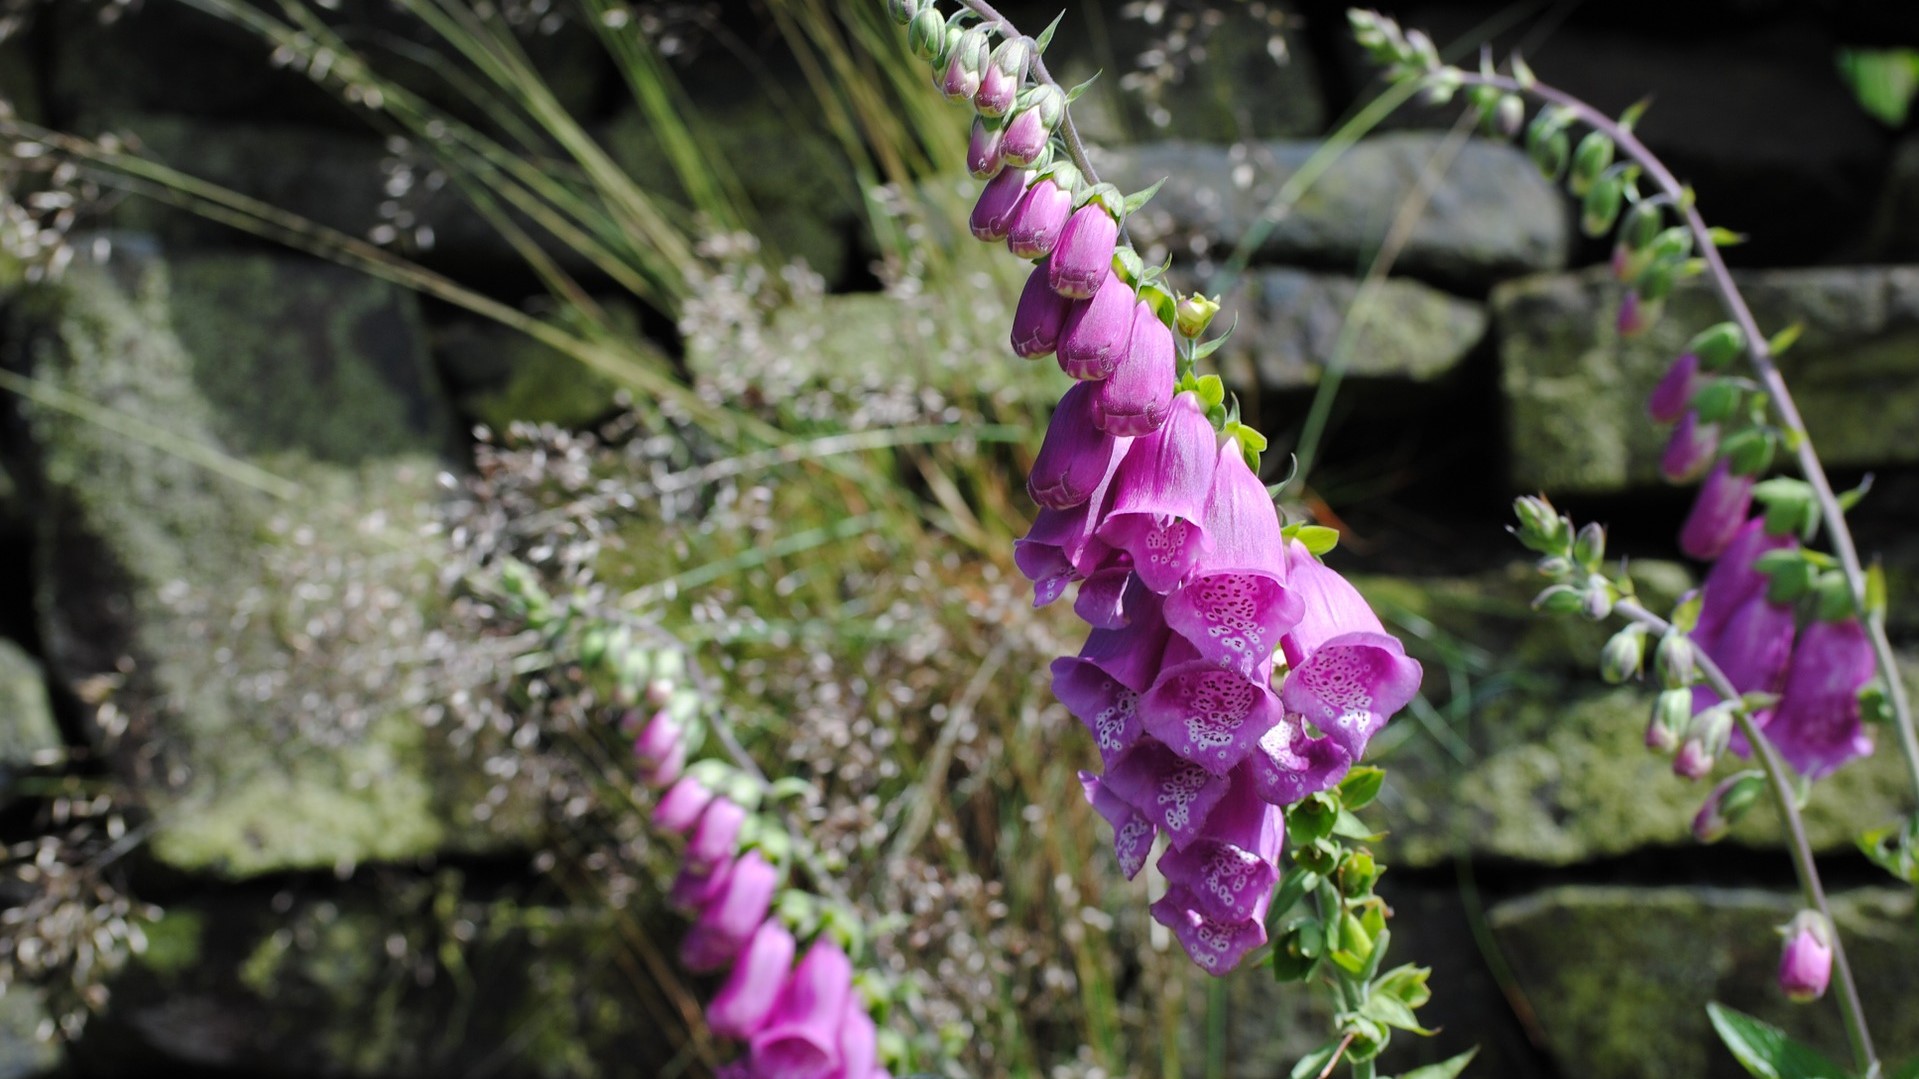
x=1805 y=960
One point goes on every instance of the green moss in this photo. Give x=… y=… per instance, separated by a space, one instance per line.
x=173 y=942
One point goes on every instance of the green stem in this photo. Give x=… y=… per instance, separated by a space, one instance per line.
x=1760 y=351
x=1782 y=791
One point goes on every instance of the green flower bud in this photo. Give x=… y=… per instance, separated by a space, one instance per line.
x=1549 y=154
x=926 y=34
x=902 y=11
x=1624 y=656
x=1832 y=598
x=1598 y=599
x=1561 y=599
x=1655 y=281
x=1671 y=713
x=1717 y=400
x=1194 y=313
x=1557 y=565
x=1589 y=547
x=1592 y=158
x=1717 y=346
x=1541 y=528
x=1749 y=452
x=1509 y=115
x=1727 y=803
x=1675 y=661
x=1600 y=211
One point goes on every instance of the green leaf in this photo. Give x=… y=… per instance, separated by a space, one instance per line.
x=1074 y=94
x=1725 y=237
x=1849 y=499
x=1686 y=615
x=1317 y=539
x=1212 y=391
x=1875 y=590
x=1407 y=983
x=1138 y=199
x=1046 y=36
x=1313 y=1063
x=1362 y=784
x=1785 y=338
x=1445 y=1069
x=1768 y=1052
x=1349 y=826
x=1292 y=888
x=1630 y=118
x=1522 y=74
x=1393 y=1012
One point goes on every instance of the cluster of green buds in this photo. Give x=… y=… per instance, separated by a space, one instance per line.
x=1326 y=923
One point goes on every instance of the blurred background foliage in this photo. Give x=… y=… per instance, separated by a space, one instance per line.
x=674 y=303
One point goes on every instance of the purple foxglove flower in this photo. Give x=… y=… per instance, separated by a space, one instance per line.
x=668 y=769
x=1289 y=764
x=1059 y=549
x=656 y=741
x=693 y=887
x=1816 y=724
x=1236 y=606
x=713 y=838
x=1717 y=514
x=1208 y=714
x=1348 y=675
x=1083 y=257
x=982 y=149
x=1734 y=579
x=1174 y=794
x=1133 y=833
x=1669 y=400
x=680 y=807
x=1027 y=133
x=1134 y=398
x=993 y=213
x=731 y=914
x=1101 y=685
x=859 y=1041
x=1232 y=867
x=1159 y=496
x=800 y=1038
x=1097 y=334
x=1040 y=217
x=1217 y=947
x=1805 y=961
x=1040 y=316
x=1104 y=596
x=1076 y=456
x=1752 y=650
x=999 y=83
x=1636 y=315
x=743 y=1002
x=1689 y=449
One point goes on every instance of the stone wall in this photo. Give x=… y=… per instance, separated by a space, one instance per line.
x=176 y=617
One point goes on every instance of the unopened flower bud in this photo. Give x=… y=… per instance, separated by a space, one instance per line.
x=1727 y=803
x=1083 y=258
x=1717 y=399
x=1549 y=153
x=926 y=34
x=1693 y=761
x=1560 y=599
x=1040 y=316
x=961 y=78
x=659 y=691
x=1632 y=250
x=1718 y=346
x=1194 y=313
x=1600 y=210
x=1040 y=110
x=1589 y=547
x=1748 y=452
x=1596 y=603
x=1509 y=115
x=657 y=740
x=1557 y=565
x=1719 y=510
x=1690 y=450
x=1654 y=283
x=1590 y=160
x=1099 y=332
x=992 y=216
x=982 y=149
x=902 y=11
x=1675 y=660
x=1805 y=961
x=1042 y=213
x=1624 y=655
x=1541 y=528
x=1637 y=313
x=1000 y=82
x=1671 y=715
x=1669 y=399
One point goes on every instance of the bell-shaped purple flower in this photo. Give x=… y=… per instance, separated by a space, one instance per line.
x=1717 y=514
x=1210 y=715
x=1752 y=650
x=714 y=836
x=1348 y=675
x=992 y=215
x=999 y=82
x=1101 y=686
x=668 y=769
x=1107 y=594
x=859 y=1041
x=1673 y=395
x=1216 y=946
x=1689 y=450
x=1159 y=496
x=1805 y=960
x=1133 y=833
x=1174 y=794
x=1040 y=316
x=744 y=1000
x=1289 y=763
x=982 y=149
x=1084 y=254
x=1076 y=456
x=657 y=740
x=1236 y=606
x=1097 y=333
x=1232 y=867
x=731 y=914
x=801 y=1035
x=1060 y=548
x=1816 y=724
x=1735 y=579
x=680 y=807
x=1133 y=399
x=1040 y=217
x=1040 y=110
x=694 y=887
